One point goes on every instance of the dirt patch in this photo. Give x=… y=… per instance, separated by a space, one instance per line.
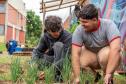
x=4 y=68
x=5 y=82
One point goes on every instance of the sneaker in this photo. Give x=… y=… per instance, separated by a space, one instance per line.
x=112 y=81
x=87 y=82
x=97 y=77
x=58 y=79
x=58 y=76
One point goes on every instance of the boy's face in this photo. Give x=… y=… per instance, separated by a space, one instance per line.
x=89 y=24
x=55 y=34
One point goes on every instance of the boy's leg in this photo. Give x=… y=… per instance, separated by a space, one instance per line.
x=124 y=54
x=59 y=53
x=88 y=59
x=59 y=56
x=103 y=59
x=103 y=55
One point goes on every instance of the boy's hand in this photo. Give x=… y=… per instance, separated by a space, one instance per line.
x=107 y=79
x=76 y=81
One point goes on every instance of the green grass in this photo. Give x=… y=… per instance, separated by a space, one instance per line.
x=2 y=47
x=5 y=76
x=5 y=59
x=67 y=69
x=86 y=76
x=15 y=69
x=120 y=79
x=120 y=76
x=49 y=74
x=30 y=72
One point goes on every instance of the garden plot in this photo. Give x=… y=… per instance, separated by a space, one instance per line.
x=19 y=70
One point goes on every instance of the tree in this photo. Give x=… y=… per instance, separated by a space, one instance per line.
x=33 y=28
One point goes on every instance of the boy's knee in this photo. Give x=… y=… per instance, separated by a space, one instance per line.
x=103 y=56
x=58 y=44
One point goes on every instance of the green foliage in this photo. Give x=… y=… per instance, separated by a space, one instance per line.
x=33 y=28
x=67 y=69
x=2 y=47
x=49 y=74
x=73 y=27
x=2 y=77
x=31 y=74
x=86 y=76
x=4 y=59
x=5 y=76
x=15 y=69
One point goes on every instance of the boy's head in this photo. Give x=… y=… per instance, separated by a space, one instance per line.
x=77 y=10
x=53 y=25
x=88 y=17
x=88 y=11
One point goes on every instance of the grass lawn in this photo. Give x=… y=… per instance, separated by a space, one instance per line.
x=2 y=47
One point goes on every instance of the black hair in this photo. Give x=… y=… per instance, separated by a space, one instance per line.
x=53 y=23
x=77 y=10
x=88 y=11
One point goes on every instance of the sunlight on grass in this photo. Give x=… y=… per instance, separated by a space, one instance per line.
x=6 y=76
x=2 y=47
x=5 y=59
x=120 y=79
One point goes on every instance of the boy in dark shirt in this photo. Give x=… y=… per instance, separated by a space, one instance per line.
x=53 y=44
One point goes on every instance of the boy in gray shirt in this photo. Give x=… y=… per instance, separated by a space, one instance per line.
x=100 y=39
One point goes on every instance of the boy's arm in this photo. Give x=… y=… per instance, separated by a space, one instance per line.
x=40 y=49
x=76 y=52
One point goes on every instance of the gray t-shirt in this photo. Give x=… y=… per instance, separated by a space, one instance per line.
x=98 y=39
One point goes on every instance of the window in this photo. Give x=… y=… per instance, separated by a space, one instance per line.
x=1 y=30
x=2 y=8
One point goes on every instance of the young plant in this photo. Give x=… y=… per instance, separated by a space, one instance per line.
x=49 y=74
x=86 y=77
x=67 y=69
x=15 y=69
x=31 y=74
